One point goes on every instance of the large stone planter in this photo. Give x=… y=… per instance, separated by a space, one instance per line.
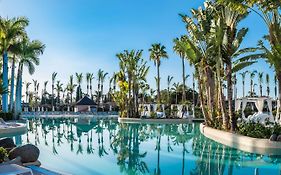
x=244 y=143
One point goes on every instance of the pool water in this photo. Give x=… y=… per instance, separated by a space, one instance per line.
x=88 y=146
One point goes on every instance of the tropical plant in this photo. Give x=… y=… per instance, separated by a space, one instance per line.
x=178 y=49
x=243 y=75
x=169 y=81
x=12 y=31
x=260 y=78
x=71 y=87
x=30 y=52
x=27 y=84
x=158 y=51
x=54 y=75
x=267 y=80
x=252 y=76
x=79 y=79
x=59 y=89
x=132 y=74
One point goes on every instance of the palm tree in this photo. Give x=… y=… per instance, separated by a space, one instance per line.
x=101 y=78
x=178 y=49
x=102 y=82
x=12 y=31
x=243 y=74
x=26 y=91
x=45 y=91
x=275 y=86
x=79 y=79
x=89 y=78
x=71 y=86
x=176 y=88
x=91 y=87
x=260 y=78
x=29 y=57
x=252 y=76
x=169 y=81
x=59 y=89
x=54 y=75
x=158 y=51
x=267 y=84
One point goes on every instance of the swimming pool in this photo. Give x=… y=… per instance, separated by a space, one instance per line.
x=90 y=146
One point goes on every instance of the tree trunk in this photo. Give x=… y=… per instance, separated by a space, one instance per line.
x=260 y=90
x=229 y=96
x=5 y=82
x=158 y=83
x=243 y=84
x=18 y=92
x=183 y=81
x=278 y=74
x=12 y=84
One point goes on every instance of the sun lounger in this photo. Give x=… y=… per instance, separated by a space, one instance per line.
x=13 y=169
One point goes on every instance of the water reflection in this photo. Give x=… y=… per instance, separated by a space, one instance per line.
x=145 y=148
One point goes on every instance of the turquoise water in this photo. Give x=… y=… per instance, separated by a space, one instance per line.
x=106 y=147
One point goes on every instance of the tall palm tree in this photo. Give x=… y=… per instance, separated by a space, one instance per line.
x=176 y=88
x=59 y=89
x=88 y=79
x=158 y=51
x=252 y=76
x=54 y=75
x=102 y=83
x=79 y=79
x=91 y=86
x=12 y=30
x=45 y=92
x=243 y=75
x=26 y=91
x=169 y=81
x=267 y=80
x=275 y=86
x=178 y=49
x=28 y=57
x=101 y=78
x=71 y=87
x=260 y=79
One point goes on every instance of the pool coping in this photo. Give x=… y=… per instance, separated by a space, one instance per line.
x=22 y=128
x=160 y=121
x=244 y=143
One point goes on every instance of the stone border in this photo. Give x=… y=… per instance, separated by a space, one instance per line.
x=244 y=143
x=159 y=121
x=12 y=130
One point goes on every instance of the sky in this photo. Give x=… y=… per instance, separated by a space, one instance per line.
x=84 y=36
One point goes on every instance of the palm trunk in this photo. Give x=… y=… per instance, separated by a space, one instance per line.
x=158 y=83
x=12 y=84
x=18 y=92
x=278 y=74
x=243 y=84
x=52 y=94
x=183 y=81
x=260 y=90
x=229 y=96
x=5 y=82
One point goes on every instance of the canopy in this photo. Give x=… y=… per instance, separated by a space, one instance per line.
x=259 y=103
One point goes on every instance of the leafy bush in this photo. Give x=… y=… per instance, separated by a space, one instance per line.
x=3 y=154
x=198 y=112
x=153 y=115
x=258 y=130
x=6 y=116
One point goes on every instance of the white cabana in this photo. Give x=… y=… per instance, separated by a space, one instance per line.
x=241 y=103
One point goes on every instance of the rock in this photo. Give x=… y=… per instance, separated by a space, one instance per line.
x=16 y=160
x=273 y=137
x=7 y=143
x=278 y=138
x=28 y=153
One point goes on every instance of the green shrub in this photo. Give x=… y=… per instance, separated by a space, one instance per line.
x=3 y=154
x=258 y=130
x=198 y=112
x=6 y=116
x=153 y=115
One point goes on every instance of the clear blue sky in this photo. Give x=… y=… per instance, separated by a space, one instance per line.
x=85 y=35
